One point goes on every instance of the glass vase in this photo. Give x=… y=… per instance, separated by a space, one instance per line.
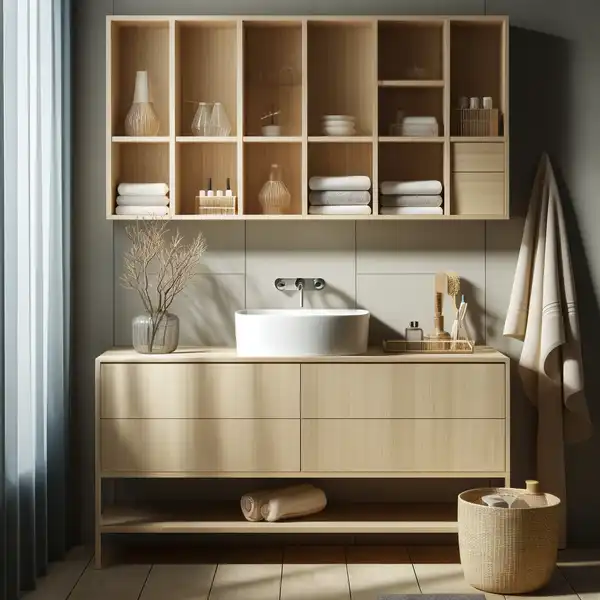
x=219 y=121
x=201 y=121
x=154 y=334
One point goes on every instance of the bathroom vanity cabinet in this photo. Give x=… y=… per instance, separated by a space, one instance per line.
x=207 y=413
x=308 y=67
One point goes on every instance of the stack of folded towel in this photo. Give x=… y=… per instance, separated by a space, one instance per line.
x=340 y=195
x=137 y=199
x=411 y=198
x=420 y=127
x=283 y=503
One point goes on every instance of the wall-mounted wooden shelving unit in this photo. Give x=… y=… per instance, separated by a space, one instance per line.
x=369 y=67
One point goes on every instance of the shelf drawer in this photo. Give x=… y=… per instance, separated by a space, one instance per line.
x=388 y=445
x=485 y=157
x=478 y=194
x=378 y=391
x=148 y=446
x=200 y=391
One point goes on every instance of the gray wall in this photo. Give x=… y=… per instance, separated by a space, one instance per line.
x=385 y=267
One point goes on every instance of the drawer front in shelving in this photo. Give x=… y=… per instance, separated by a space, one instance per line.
x=372 y=391
x=478 y=194
x=200 y=391
x=387 y=445
x=148 y=446
x=472 y=157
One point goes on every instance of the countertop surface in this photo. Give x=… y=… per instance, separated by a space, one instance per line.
x=482 y=354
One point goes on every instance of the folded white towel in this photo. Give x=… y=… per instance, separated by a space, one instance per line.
x=339 y=198
x=298 y=503
x=252 y=503
x=419 y=121
x=411 y=201
x=158 y=211
x=411 y=210
x=142 y=200
x=420 y=130
x=339 y=210
x=419 y=188
x=351 y=182
x=143 y=189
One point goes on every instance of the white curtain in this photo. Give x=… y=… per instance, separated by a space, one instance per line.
x=35 y=229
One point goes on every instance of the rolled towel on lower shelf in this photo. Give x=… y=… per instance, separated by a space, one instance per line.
x=292 y=504
x=143 y=211
x=252 y=503
x=411 y=210
x=339 y=210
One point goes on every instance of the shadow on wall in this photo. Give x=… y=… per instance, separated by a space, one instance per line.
x=541 y=120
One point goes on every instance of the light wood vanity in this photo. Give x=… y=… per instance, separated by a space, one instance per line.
x=208 y=413
x=368 y=67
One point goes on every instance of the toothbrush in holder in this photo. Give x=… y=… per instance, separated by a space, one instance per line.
x=459 y=327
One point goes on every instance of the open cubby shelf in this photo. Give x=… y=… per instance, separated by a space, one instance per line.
x=373 y=68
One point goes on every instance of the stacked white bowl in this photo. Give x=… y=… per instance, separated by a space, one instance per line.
x=338 y=125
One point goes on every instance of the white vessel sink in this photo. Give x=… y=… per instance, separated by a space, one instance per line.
x=301 y=332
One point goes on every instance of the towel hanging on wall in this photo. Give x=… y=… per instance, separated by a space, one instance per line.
x=543 y=315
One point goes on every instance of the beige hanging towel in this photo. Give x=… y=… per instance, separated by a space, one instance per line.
x=543 y=315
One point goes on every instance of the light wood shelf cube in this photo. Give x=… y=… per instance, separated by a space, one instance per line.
x=308 y=67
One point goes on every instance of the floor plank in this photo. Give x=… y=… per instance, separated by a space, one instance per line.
x=558 y=588
x=179 y=582
x=379 y=555
x=322 y=581
x=62 y=576
x=581 y=568
x=246 y=582
x=123 y=582
x=369 y=581
x=445 y=579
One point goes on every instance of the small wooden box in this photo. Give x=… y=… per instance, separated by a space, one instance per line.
x=478 y=122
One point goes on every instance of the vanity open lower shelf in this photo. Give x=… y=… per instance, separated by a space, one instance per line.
x=351 y=518
x=213 y=415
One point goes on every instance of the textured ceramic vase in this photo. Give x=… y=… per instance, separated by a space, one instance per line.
x=154 y=335
x=274 y=197
x=141 y=120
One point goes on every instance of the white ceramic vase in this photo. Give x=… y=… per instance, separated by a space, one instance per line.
x=141 y=120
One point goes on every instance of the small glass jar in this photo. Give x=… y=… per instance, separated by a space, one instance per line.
x=155 y=335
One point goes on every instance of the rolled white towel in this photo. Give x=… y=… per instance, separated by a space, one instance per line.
x=143 y=189
x=339 y=210
x=411 y=210
x=252 y=503
x=142 y=200
x=339 y=198
x=350 y=182
x=417 y=188
x=411 y=201
x=158 y=211
x=298 y=503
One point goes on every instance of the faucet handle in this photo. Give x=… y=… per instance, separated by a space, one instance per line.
x=318 y=283
x=299 y=283
x=280 y=284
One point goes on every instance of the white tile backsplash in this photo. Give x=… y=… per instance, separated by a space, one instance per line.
x=385 y=267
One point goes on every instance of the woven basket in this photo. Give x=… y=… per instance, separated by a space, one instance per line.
x=508 y=550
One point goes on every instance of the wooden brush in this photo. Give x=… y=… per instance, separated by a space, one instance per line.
x=441 y=287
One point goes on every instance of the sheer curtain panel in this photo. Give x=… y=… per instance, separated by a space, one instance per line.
x=34 y=304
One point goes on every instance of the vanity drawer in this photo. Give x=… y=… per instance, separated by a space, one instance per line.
x=478 y=194
x=376 y=391
x=396 y=445
x=147 y=446
x=199 y=391
x=471 y=157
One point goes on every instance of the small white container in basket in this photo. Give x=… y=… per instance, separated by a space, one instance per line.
x=508 y=550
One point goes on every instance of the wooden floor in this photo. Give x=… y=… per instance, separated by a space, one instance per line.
x=317 y=573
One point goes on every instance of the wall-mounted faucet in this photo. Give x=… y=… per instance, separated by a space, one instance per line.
x=299 y=284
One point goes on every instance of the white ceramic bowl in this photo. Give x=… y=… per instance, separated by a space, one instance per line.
x=341 y=131
x=338 y=118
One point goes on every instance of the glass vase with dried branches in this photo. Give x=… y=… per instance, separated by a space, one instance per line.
x=158 y=266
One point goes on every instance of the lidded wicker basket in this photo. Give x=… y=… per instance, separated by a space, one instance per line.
x=508 y=550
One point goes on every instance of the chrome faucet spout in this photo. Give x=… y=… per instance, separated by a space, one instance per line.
x=299 y=283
